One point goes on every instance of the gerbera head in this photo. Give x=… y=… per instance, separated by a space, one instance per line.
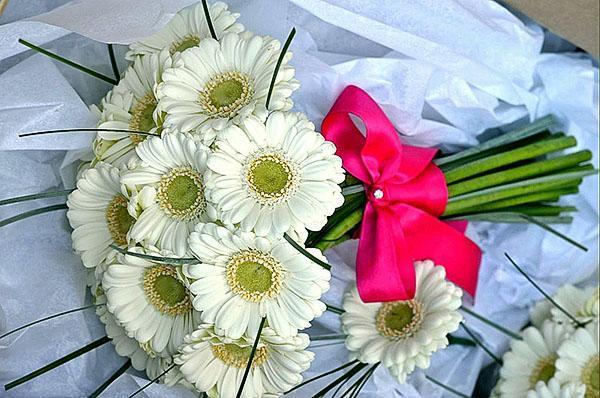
x=553 y=389
x=151 y=301
x=579 y=359
x=98 y=214
x=205 y=100
x=214 y=363
x=532 y=359
x=131 y=105
x=170 y=185
x=583 y=304
x=243 y=278
x=275 y=176
x=404 y=334
x=187 y=29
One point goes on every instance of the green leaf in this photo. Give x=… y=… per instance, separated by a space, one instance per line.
x=72 y=64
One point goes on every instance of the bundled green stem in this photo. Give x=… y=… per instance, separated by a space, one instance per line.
x=516 y=177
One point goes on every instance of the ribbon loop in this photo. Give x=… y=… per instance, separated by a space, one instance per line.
x=406 y=194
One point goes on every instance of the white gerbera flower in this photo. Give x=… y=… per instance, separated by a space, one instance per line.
x=151 y=301
x=98 y=214
x=583 y=304
x=224 y=82
x=578 y=359
x=531 y=359
x=403 y=334
x=131 y=105
x=553 y=389
x=276 y=176
x=243 y=278
x=215 y=364
x=187 y=29
x=171 y=191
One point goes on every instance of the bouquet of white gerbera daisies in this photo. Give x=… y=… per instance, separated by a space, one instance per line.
x=204 y=210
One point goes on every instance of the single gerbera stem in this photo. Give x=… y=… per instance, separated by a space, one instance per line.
x=211 y=28
x=284 y=49
x=69 y=62
x=111 y=379
x=48 y=318
x=445 y=387
x=539 y=289
x=93 y=345
x=480 y=344
x=305 y=253
x=166 y=260
x=251 y=358
x=483 y=319
x=152 y=381
x=85 y=129
x=41 y=195
x=113 y=62
x=32 y=213
x=344 y=366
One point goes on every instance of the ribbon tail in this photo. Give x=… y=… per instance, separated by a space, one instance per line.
x=384 y=269
x=429 y=238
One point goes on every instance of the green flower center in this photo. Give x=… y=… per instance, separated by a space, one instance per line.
x=118 y=219
x=543 y=371
x=254 y=275
x=185 y=43
x=225 y=94
x=399 y=320
x=590 y=376
x=236 y=356
x=180 y=193
x=271 y=178
x=142 y=118
x=165 y=291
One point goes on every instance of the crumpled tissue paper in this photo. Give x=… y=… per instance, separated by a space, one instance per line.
x=443 y=70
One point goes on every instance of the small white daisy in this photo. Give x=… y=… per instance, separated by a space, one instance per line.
x=531 y=359
x=215 y=364
x=276 y=176
x=131 y=105
x=404 y=334
x=151 y=301
x=243 y=278
x=578 y=360
x=553 y=389
x=223 y=82
x=171 y=191
x=187 y=29
x=583 y=304
x=98 y=215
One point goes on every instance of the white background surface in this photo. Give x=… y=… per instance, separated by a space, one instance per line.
x=443 y=70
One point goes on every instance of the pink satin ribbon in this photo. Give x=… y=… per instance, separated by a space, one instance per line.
x=406 y=194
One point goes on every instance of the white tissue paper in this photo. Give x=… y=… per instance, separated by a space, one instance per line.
x=444 y=71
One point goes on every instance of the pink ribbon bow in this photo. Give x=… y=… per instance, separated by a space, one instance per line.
x=406 y=194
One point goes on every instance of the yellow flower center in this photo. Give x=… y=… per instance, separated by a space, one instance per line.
x=118 y=219
x=180 y=193
x=184 y=43
x=271 y=178
x=165 y=291
x=399 y=320
x=225 y=94
x=236 y=356
x=142 y=117
x=590 y=376
x=543 y=370
x=254 y=275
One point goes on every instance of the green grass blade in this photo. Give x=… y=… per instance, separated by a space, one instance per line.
x=41 y=195
x=32 y=213
x=111 y=379
x=284 y=50
x=305 y=253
